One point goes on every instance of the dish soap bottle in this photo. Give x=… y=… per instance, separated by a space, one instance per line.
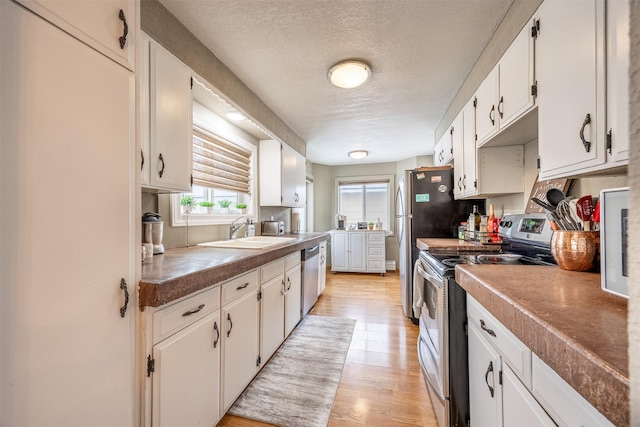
x=251 y=229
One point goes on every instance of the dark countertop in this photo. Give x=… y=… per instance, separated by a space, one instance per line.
x=454 y=245
x=180 y=272
x=565 y=319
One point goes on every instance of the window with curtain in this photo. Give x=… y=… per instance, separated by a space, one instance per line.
x=365 y=199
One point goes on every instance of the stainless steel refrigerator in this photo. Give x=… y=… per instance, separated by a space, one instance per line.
x=425 y=207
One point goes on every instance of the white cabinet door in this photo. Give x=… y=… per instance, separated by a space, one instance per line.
x=515 y=78
x=292 y=299
x=469 y=184
x=520 y=409
x=301 y=181
x=357 y=254
x=486 y=107
x=485 y=393
x=322 y=268
x=282 y=175
x=170 y=121
x=289 y=175
x=109 y=26
x=272 y=316
x=443 y=153
x=571 y=90
x=67 y=126
x=239 y=346
x=143 y=100
x=186 y=380
x=339 y=248
x=618 y=80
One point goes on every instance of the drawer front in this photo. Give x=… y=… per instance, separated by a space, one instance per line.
x=292 y=260
x=514 y=352
x=375 y=237
x=375 y=252
x=271 y=270
x=175 y=317
x=239 y=286
x=376 y=265
x=565 y=405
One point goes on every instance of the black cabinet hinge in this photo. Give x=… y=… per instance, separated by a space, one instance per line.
x=609 y=141
x=475 y=184
x=538 y=163
x=534 y=89
x=151 y=365
x=192 y=180
x=258 y=361
x=191 y=82
x=475 y=102
x=451 y=131
x=259 y=295
x=535 y=29
x=500 y=377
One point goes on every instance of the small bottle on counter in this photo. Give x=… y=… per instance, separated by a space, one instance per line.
x=482 y=232
x=462 y=230
x=251 y=229
x=477 y=217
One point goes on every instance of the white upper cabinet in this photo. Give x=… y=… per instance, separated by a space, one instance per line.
x=170 y=122
x=618 y=81
x=443 y=153
x=506 y=95
x=570 y=71
x=109 y=26
x=282 y=175
x=459 y=152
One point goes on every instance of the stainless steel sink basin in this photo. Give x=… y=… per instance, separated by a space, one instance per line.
x=254 y=242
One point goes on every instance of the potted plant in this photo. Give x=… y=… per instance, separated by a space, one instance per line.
x=224 y=206
x=208 y=206
x=241 y=207
x=370 y=224
x=187 y=202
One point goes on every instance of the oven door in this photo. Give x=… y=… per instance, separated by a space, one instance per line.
x=433 y=339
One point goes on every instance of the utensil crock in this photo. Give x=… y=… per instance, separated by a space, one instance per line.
x=576 y=250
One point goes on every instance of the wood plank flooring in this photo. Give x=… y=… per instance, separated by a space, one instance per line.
x=381 y=383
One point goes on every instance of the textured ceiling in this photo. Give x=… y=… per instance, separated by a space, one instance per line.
x=420 y=52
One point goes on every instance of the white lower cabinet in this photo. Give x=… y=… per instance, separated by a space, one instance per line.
x=358 y=251
x=280 y=287
x=510 y=386
x=322 y=268
x=186 y=386
x=240 y=349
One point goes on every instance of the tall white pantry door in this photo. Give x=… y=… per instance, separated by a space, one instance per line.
x=66 y=218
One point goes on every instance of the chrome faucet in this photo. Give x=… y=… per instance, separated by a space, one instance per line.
x=236 y=225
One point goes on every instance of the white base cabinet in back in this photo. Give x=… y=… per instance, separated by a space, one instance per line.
x=361 y=251
x=67 y=130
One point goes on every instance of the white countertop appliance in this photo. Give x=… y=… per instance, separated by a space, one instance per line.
x=614 y=267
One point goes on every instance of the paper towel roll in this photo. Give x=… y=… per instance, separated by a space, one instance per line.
x=295 y=222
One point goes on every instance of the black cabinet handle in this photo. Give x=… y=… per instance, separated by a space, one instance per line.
x=160 y=159
x=123 y=286
x=487 y=330
x=289 y=282
x=215 y=328
x=500 y=107
x=142 y=161
x=125 y=30
x=190 y=312
x=493 y=122
x=486 y=377
x=241 y=287
x=587 y=144
x=230 y=324
x=284 y=288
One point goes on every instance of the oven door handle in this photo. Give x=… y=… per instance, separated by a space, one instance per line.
x=433 y=278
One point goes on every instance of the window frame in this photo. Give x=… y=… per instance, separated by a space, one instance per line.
x=369 y=179
x=222 y=129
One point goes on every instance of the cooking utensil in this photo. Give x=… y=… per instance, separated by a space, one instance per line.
x=566 y=214
x=555 y=196
x=584 y=209
x=596 y=216
x=543 y=204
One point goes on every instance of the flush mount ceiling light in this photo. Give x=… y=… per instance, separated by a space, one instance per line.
x=358 y=154
x=236 y=116
x=349 y=74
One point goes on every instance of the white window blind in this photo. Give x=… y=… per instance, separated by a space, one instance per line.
x=219 y=164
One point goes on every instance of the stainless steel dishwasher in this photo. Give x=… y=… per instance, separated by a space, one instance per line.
x=310 y=261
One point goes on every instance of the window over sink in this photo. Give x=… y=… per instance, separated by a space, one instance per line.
x=223 y=170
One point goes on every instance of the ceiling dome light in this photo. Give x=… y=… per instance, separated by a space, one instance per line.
x=358 y=154
x=349 y=74
x=236 y=116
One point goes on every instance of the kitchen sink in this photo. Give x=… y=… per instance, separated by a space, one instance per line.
x=254 y=242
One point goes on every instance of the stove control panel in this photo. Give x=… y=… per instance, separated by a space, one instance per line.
x=533 y=227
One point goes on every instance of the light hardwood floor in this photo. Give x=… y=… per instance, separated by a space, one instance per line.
x=381 y=383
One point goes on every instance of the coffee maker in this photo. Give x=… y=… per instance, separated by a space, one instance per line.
x=342 y=221
x=152 y=231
